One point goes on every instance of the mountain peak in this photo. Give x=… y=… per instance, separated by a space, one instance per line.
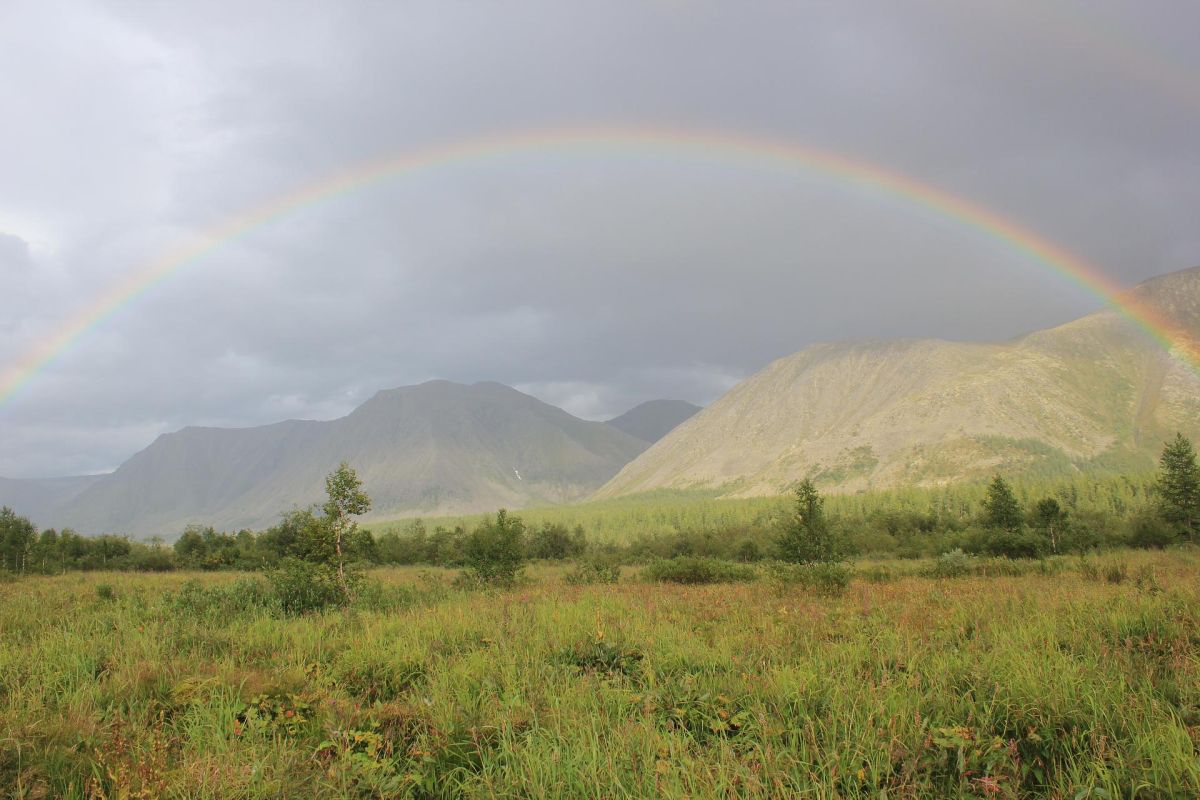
x=654 y=419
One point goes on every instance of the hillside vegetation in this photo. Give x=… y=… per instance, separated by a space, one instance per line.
x=1096 y=395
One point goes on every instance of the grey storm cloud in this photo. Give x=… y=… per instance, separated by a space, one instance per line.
x=594 y=278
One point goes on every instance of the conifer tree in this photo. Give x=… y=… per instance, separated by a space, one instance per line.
x=1179 y=487
x=1001 y=510
x=805 y=536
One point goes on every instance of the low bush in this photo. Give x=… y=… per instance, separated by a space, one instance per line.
x=302 y=587
x=596 y=656
x=106 y=591
x=826 y=579
x=596 y=569
x=1149 y=530
x=1023 y=543
x=955 y=564
x=376 y=676
x=694 y=569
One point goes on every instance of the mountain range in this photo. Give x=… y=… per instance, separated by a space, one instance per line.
x=1095 y=394
x=436 y=448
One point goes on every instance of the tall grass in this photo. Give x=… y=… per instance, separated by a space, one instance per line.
x=1055 y=682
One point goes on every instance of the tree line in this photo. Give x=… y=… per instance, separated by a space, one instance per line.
x=1003 y=524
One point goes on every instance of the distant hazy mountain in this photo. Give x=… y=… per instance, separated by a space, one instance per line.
x=654 y=419
x=436 y=448
x=36 y=498
x=1094 y=394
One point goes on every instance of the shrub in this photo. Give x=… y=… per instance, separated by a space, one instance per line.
x=1019 y=543
x=244 y=596
x=955 y=564
x=554 y=542
x=376 y=676
x=596 y=656
x=597 y=569
x=301 y=587
x=276 y=713
x=748 y=552
x=495 y=554
x=693 y=570
x=829 y=580
x=1150 y=530
x=106 y=591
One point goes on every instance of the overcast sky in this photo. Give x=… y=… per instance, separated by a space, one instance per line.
x=592 y=278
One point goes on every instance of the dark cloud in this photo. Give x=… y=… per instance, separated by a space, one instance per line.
x=594 y=278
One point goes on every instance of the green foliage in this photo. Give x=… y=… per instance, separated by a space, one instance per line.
x=954 y=564
x=1001 y=510
x=685 y=706
x=376 y=676
x=697 y=569
x=495 y=551
x=805 y=537
x=302 y=587
x=275 y=714
x=105 y=591
x=1008 y=543
x=17 y=536
x=1179 y=487
x=553 y=541
x=594 y=569
x=828 y=579
x=1052 y=521
x=1092 y=513
x=596 y=656
x=1148 y=529
x=345 y=500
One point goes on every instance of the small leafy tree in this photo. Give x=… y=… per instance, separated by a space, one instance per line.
x=1051 y=519
x=1001 y=510
x=17 y=536
x=346 y=500
x=1179 y=487
x=312 y=573
x=805 y=536
x=495 y=551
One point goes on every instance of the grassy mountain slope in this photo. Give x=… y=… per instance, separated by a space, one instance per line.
x=1094 y=394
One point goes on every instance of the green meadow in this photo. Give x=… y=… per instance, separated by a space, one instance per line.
x=622 y=520
x=1067 y=677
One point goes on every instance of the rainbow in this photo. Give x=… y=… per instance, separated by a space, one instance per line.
x=614 y=141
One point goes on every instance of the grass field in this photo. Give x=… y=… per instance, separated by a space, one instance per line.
x=1074 y=681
